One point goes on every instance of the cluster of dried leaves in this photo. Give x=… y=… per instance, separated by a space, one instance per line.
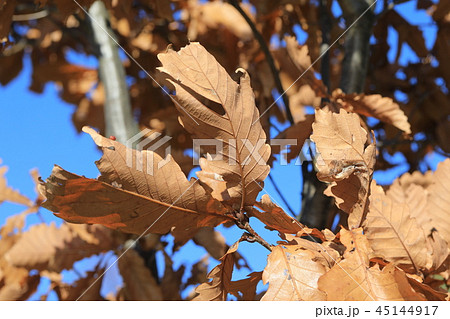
x=396 y=247
x=49 y=29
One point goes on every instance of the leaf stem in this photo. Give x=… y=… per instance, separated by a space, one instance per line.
x=251 y=235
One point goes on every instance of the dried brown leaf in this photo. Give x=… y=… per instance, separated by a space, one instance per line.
x=439 y=248
x=84 y=289
x=275 y=218
x=438 y=201
x=212 y=241
x=217 y=15
x=299 y=132
x=203 y=90
x=375 y=105
x=47 y=247
x=327 y=253
x=7 y=193
x=149 y=194
x=299 y=55
x=353 y=279
x=220 y=285
x=292 y=274
x=344 y=161
x=247 y=286
x=16 y=283
x=394 y=234
x=139 y=283
x=429 y=293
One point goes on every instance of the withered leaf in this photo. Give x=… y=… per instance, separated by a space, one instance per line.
x=203 y=91
x=439 y=248
x=7 y=193
x=393 y=233
x=275 y=218
x=353 y=279
x=292 y=275
x=47 y=247
x=427 y=291
x=326 y=253
x=438 y=201
x=148 y=194
x=208 y=16
x=299 y=132
x=139 y=283
x=213 y=241
x=16 y=283
x=221 y=284
x=344 y=161
x=84 y=289
x=301 y=59
x=375 y=105
x=172 y=280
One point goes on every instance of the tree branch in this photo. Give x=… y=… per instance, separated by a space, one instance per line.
x=269 y=58
x=119 y=119
x=251 y=235
x=325 y=25
x=357 y=43
x=315 y=205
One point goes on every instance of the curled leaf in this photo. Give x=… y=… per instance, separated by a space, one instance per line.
x=214 y=107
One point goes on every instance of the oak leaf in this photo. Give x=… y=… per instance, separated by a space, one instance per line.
x=213 y=241
x=344 y=161
x=84 y=289
x=438 y=201
x=16 y=283
x=275 y=218
x=47 y=247
x=204 y=90
x=375 y=105
x=394 y=234
x=301 y=59
x=299 y=132
x=353 y=278
x=149 y=194
x=292 y=274
x=217 y=15
x=327 y=253
x=7 y=193
x=139 y=283
x=221 y=283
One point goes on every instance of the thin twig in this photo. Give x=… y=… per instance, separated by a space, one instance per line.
x=30 y=16
x=269 y=58
x=253 y=236
x=242 y=222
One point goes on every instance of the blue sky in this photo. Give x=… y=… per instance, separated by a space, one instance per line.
x=36 y=132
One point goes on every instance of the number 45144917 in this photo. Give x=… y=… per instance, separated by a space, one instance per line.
x=404 y=310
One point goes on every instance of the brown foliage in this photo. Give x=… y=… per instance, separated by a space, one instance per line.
x=393 y=243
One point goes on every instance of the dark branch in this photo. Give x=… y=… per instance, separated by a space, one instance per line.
x=269 y=58
x=357 y=43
